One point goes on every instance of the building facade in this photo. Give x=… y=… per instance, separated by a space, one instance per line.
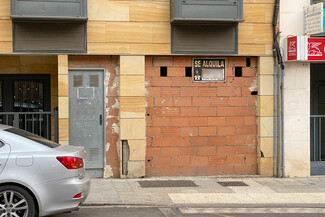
x=150 y=88
x=303 y=91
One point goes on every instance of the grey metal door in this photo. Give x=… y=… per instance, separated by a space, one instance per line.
x=86 y=116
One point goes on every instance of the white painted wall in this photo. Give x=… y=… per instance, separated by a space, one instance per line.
x=296 y=95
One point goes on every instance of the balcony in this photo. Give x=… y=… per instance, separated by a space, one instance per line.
x=206 y=11
x=49 y=26
x=67 y=10
x=205 y=26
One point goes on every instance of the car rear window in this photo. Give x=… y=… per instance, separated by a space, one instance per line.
x=33 y=137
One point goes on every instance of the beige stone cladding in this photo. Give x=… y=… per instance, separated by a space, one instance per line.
x=132 y=114
x=265 y=116
x=143 y=27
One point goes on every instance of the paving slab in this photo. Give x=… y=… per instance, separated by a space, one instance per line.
x=259 y=190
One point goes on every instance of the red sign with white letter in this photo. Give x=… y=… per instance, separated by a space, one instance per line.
x=292 y=48
x=303 y=48
x=315 y=49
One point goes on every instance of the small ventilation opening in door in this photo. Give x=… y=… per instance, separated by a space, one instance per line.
x=77 y=80
x=93 y=81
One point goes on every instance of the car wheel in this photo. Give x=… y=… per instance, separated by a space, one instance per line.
x=16 y=201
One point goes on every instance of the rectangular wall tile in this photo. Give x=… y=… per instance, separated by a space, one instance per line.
x=266 y=146
x=63 y=129
x=129 y=32
x=112 y=48
x=265 y=126
x=150 y=49
x=104 y=10
x=62 y=64
x=132 y=129
x=63 y=85
x=265 y=104
x=132 y=86
x=96 y=32
x=265 y=85
x=137 y=150
x=132 y=107
x=132 y=65
x=5 y=30
x=266 y=66
x=5 y=47
x=64 y=107
x=5 y=9
x=149 y=11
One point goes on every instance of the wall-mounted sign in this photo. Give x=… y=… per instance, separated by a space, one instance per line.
x=314 y=19
x=295 y=48
x=292 y=48
x=303 y=48
x=316 y=50
x=209 y=69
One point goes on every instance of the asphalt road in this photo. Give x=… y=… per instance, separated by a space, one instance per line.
x=127 y=211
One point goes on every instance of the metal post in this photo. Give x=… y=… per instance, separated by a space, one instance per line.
x=48 y=135
x=314 y=142
x=16 y=120
x=56 y=125
x=32 y=123
x=40 y=125
x=320 y=139
x=25 y=117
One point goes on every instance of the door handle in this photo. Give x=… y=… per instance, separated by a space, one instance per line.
x=100 y=119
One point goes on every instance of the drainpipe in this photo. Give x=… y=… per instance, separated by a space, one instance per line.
x=282 y=118
x=275 y=78
x=278 y=120
x=274 y=113
x=279 y=129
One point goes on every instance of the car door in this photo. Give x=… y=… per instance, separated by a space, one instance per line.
x=4 y=154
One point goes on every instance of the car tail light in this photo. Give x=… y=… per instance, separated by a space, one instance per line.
x=71 y=162
x=77 y=196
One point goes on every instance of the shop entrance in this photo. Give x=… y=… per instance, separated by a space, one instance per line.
x=317 y=121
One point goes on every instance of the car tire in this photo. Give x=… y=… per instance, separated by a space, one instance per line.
x=14 y=199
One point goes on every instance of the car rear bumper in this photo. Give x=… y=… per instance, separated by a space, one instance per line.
x=57 y=197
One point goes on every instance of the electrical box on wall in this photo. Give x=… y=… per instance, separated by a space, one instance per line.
x=206 y=11
x=209 y=70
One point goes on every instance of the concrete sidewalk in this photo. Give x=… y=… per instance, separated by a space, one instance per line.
x=207 y=191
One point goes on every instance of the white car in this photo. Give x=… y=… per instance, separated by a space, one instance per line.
x=39 y=177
